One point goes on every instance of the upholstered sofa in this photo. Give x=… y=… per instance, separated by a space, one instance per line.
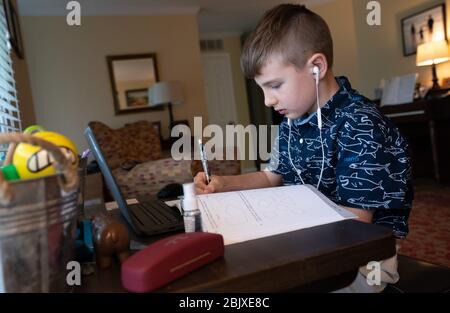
x=134 y=155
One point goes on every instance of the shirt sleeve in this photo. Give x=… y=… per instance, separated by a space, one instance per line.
x=373 y=166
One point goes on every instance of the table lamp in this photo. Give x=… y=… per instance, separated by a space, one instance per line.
x=166 y=93
x=432 y=53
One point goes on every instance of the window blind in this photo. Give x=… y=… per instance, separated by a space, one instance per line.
x=9 y=106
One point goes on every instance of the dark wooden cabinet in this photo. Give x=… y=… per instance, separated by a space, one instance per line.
x=426 y=126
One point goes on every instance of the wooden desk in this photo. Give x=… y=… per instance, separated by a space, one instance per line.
x=426 y=126
x=321 y=258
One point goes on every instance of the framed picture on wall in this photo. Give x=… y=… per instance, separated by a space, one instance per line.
x=421 y=27
x=136 y=98
x=12 y=20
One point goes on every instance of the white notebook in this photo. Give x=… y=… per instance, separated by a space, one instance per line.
x=245 y=215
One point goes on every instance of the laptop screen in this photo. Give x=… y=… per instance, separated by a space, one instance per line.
x=107 y=174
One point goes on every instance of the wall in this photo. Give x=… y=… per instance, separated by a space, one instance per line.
x=339 y=17
x=69 y=75
x=381 y=46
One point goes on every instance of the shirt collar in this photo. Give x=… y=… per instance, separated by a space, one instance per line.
x=345 y=91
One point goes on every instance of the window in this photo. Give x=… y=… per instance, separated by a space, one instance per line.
x=9 y=106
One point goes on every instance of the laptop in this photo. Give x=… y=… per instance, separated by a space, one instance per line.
x=145 y=217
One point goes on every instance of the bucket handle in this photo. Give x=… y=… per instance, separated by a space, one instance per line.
x=67 y=181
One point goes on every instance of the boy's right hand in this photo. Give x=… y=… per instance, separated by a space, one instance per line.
x=216 y=184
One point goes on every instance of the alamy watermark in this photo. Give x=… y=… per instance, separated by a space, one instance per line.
x=73 y=278
x=374 y=276
x=374 y=16
x=74 y=16
x=221 y=142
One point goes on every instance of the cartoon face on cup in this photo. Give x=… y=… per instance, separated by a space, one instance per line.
x=34 y=161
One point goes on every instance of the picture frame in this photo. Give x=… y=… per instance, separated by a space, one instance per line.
x=131 y=76
x=136 y=98
x=15 y=35
x=422 y=27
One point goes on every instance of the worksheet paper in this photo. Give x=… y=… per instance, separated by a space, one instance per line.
x=245 y=215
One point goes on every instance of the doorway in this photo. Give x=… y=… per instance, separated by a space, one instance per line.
x=219 y=89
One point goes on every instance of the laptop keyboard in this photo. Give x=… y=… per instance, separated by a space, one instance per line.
x=161 y=211
x=155 y=216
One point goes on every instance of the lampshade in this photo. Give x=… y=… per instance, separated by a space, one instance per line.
x=165 y=92
x=432 y=52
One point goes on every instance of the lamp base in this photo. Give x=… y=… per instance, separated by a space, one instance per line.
x=170 y=116
x=435 y=79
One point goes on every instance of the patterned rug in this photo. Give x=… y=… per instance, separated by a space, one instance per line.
x=429 y=225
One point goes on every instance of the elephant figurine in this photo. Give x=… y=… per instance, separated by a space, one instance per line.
x=110 y=238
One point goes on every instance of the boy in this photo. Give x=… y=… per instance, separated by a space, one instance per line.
x=347 y=149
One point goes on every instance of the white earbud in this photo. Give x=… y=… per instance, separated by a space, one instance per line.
x=316 y=72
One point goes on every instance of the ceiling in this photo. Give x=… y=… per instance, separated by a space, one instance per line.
x=213 y=15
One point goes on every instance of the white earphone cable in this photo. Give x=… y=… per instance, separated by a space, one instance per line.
x=289 y=154
x=319 y=124
x=319 y=112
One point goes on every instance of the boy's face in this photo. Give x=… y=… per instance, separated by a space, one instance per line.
x=290 y=91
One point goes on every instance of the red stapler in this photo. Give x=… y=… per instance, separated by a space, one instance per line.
x=169 y=259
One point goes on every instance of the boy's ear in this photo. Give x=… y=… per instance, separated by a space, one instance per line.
x=319 y=60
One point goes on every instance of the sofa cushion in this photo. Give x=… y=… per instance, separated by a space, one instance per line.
x=142 y=140
x=134 y=143
x=111 y=143
x=148 y=178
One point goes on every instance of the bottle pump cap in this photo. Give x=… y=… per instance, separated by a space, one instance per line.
x=189 y=199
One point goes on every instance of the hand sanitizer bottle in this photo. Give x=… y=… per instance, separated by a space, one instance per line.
x=191 y=213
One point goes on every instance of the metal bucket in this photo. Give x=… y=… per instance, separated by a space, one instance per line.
x=82 y=167
x=38 y=219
